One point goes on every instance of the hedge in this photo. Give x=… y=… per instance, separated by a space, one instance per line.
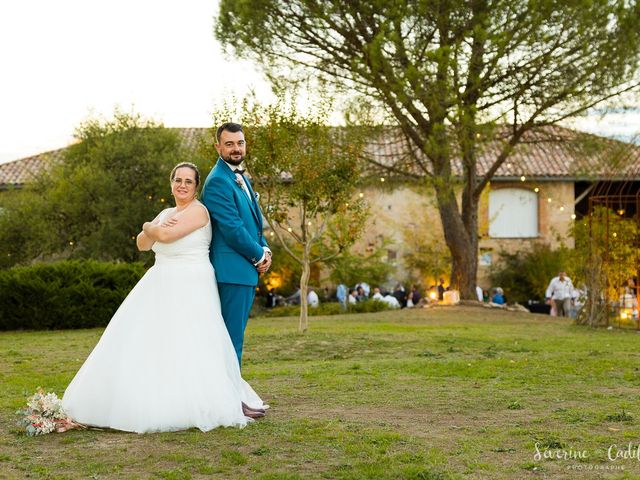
x=66 y=294
x=329 y=308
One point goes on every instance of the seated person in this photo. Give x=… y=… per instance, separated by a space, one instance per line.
x=498 y=297
x=391 y=301
x=361 y=296
x=312 y=299
x=352 y=298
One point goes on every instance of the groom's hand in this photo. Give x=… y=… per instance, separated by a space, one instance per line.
x=266 y=263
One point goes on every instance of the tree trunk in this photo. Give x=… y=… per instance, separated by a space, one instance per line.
x=467 y=271
x=304 y=284
x=462 y=244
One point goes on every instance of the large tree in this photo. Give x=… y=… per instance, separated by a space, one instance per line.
x=448 y=72
x=92 y=203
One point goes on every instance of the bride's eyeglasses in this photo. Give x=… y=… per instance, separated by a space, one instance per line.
x=187 y=181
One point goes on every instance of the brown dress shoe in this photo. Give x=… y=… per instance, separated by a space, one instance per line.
x=252 y=412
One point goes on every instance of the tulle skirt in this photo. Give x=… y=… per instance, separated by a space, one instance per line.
x=165 y=362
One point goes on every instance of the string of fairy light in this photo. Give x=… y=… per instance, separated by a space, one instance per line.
x=536 y=189
x=523 y=179
x=309 y=224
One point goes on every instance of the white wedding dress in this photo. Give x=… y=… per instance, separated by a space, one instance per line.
x=165 y=362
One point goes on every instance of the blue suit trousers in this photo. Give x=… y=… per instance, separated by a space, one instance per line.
x=236 y=302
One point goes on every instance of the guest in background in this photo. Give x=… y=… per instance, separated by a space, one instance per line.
x=413 y=297
x=441 y=289
x=271 y=299
x=342 y=294
x=294 y=299
x=391 y=301
x=326 y=294
x=377 y=295
x=352 y=298
x=365 y=288
x=400 y=295
x=559 y=292
x=498 y=296
x=312 y=298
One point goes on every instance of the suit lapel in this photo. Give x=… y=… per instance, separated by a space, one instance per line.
x=251 y=201
x=255 y=209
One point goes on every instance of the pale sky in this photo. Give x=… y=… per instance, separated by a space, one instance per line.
x=63 y=61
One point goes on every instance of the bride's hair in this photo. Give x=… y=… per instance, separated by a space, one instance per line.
x=188 y=165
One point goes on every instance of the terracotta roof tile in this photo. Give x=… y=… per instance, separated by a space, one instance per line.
x=549 y=152
x=18 y=172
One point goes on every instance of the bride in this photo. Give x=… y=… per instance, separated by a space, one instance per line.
x=165 y=362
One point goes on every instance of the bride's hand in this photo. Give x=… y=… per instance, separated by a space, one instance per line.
x=169 y=223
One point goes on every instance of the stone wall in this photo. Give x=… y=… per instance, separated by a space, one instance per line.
x=398 y=213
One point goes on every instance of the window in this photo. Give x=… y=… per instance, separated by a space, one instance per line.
x=486 y=257
x=513 y=213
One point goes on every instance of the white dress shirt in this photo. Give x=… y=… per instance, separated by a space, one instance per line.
x=560 y=290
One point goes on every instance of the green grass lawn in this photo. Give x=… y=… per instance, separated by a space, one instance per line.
x=457 y=392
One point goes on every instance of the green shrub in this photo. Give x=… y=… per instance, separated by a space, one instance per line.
x=67 y=294
x=350 y=268
x=91 y=203
x=525 y=275
x=332 y=308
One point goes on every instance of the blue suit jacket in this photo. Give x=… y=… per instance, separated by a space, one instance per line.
x=236 y=223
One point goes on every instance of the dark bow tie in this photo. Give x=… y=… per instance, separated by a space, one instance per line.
x=240 y=171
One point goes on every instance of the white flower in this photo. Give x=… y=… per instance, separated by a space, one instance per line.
x=44 y=413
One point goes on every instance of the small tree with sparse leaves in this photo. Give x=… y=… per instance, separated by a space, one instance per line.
x=306 y=174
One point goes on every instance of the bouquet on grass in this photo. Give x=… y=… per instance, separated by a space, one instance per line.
x=44 y=414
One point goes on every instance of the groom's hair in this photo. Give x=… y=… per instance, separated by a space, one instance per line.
x=229 y=127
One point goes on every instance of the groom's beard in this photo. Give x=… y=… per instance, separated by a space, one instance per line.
x=233 y=162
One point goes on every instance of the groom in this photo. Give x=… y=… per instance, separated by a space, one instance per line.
x=239 y=251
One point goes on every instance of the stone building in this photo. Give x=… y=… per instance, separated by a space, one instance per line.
x=533 y=197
